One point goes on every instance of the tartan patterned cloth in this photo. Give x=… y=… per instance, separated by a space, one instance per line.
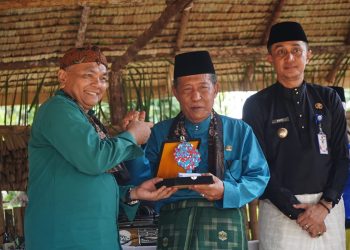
x=198 y=224
x=278 y=232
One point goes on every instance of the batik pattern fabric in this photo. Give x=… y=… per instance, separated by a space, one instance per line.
x=200 y=226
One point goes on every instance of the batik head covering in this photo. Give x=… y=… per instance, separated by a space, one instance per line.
x=83 y=55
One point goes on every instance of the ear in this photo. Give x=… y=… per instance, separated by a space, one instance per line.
x=308 y=55
x=175 y=92
x=216 y=88
x=62 y=78
x=269 y=58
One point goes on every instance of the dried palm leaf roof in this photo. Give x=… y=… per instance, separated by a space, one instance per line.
x=35 y=34
x=141 y=37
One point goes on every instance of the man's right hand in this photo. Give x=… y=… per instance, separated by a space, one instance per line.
x=133 y=115
x=140 y=130
x=312 y=219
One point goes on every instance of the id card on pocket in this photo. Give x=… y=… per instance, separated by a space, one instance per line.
x=322 y=143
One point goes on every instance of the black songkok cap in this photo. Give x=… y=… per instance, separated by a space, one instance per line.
x=286 y=31
x=340 y=92
x=193 y=63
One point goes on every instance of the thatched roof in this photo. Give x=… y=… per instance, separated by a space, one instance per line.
x=34 y=34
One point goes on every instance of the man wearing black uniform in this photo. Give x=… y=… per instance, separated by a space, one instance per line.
x=301 y=128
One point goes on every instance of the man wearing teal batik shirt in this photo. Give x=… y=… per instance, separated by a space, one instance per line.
x=206 y=216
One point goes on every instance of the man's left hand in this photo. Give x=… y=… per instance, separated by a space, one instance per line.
x=210 y=192
x=312 y=220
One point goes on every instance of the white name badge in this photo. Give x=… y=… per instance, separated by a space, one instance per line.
x=322 y=143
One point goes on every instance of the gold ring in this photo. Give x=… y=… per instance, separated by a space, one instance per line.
x=306 y=226
x=202 y=195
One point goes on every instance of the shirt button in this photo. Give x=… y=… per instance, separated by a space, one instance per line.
x=302 y=126
x=300 y=115
x=297 y=102
x=297 y=92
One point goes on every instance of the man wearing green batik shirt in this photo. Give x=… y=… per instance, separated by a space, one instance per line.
x=74 y=197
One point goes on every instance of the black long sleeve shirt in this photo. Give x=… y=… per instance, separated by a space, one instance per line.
x=295 y=162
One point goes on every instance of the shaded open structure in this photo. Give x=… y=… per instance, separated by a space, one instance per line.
x=140 y=39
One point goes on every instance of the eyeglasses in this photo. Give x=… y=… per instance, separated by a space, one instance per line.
x=283 y=52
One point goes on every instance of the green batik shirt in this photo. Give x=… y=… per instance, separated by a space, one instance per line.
x=73 y=202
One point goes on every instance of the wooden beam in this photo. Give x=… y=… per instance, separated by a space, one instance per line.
x=274 y=16
x=183 y=26
x=238 y=53
x=116 y=98
x=22 y=4
x=330 y=78
x=82 y=28
x=155 y=29
x=52 y=62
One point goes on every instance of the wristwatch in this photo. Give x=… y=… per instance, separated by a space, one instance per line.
x=328 y=201
x=128 y=199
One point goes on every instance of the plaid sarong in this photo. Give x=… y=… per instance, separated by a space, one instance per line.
x=198 y=224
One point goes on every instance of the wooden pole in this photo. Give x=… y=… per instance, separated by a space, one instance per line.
x=117 y=101
x=83 y=25
x=18 y=214
x=275 y=15
x=253 y=216
x=183 y=26
x=2 y=216
x=155 y=29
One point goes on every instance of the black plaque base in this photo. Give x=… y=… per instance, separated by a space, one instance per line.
x=184 y=182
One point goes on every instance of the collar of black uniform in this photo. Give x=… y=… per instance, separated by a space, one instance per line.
x=292 y=92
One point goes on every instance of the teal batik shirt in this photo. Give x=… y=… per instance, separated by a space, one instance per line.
x=246 y=170
x=73 y=202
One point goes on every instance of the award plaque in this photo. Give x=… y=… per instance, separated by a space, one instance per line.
x=177 y=162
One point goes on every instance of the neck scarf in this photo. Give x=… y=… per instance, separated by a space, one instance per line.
x=120 y=172
x=215 y=141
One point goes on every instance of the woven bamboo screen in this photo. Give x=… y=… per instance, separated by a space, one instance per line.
x=13 y=157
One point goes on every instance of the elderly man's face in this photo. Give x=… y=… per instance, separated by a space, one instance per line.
x=85 y=82
x=196 y=94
